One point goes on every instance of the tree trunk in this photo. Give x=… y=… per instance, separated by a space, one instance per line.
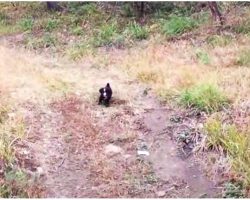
x=215 y=12
x=51 y=5
x=140 y=8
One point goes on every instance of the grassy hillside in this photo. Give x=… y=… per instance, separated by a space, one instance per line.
x=182 y=55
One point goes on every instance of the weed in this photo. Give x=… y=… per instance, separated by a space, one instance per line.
x=244 y=58
x=26 y=24
x=127 y=10
x=243 y=27
x=51 y=24
x=77 y=51
x=233 y=190
x=6 y=151
x=47 y=40
x=135 y=31
x=205 y=97
x=15 y=184
x=105 y=35
x=233 y=142
x=77 y=31
x=83 y=9
x=147 y=76
x=3 y=19
x=203 y=57
x=177 y=25
x=219 y=40
x=3 y=113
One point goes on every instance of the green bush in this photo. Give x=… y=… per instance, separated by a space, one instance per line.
x=203 y=57
x=177 y=25
x=77 y=30
x=243 y=27
x=51 y=24
x=135 y=31
x=205 y=97
x=105 y=35
x=243 y=58
x=26 y=24
x=236 y=145
x=219 y=40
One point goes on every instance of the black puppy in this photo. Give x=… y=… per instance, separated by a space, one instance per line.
x=106 y=94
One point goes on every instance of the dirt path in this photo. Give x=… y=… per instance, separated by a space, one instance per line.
x=70 y=150
x=84 y=150
x=168 y=162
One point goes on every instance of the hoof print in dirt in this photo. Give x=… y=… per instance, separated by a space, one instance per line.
x=105 y=95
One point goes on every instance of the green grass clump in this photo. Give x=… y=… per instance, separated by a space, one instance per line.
x=203 y=57
x=15 y=184
x=3 y=18
x=236 y=144
x=51 y=24
x=105 y=35
x=77 y=30
x=243 y=28
x=77 y=51
x=26 y=24
x=244 y=58
x=82 y=8
x=136 y=31
x=47 y=40
x=205 y=97
x=177 y=25
x=219 y=40
x=233 y=190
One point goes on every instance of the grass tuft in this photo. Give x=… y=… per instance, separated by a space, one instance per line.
x=203 y=57
x=219 y=40
x=243 y=58
x=135 y=31
x=177 y=25
x=205 y=97
x=236 y=145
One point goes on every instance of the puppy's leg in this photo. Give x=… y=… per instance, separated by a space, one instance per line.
x=100 y=100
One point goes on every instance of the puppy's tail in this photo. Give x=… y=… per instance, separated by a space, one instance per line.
x=108 y=85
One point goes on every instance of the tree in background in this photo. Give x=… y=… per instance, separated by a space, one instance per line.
x=217 y=16
x=52 y=5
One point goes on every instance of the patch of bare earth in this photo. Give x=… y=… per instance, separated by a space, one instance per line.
x=71 y=140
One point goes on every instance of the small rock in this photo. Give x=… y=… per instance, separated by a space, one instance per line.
x=40 y=171
x=161 y=193
x=112 y=150
x=126 y=156
x=200 y=126
x=143 y=152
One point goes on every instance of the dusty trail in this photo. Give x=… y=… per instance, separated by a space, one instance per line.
x=61 y=149
x=62 y=164
x=165 y=156
x=69 y=133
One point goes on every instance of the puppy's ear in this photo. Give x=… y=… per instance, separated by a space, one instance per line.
x=107 y=85
x=101 y=90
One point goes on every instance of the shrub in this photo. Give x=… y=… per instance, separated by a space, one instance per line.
x=219 y=40
x=105 y=35
x=77 y=31
x=51 y=24
x=243 y=27
x=26 y=24
x=177 y=25
x=205 y=97
x=243 y=58
x=236 y=144
x=136 y=31
x=203 y=57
